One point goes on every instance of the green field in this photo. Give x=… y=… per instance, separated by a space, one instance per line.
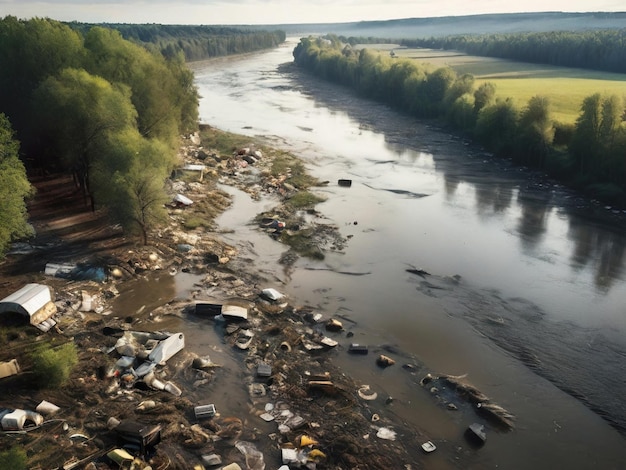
x=564 y=87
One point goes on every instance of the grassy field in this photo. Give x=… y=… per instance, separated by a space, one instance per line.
x=565 y=87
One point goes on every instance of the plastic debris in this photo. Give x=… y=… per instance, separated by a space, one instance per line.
x=428 y=446
x=272 y=294
x=387 y=434
x=366 y=393
x=254 y=457
x=356 y=348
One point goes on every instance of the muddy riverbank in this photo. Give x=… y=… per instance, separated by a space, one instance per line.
x=301 y=391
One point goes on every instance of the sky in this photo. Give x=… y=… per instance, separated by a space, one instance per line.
x=243 y=12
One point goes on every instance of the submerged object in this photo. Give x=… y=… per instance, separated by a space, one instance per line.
x=476 y=433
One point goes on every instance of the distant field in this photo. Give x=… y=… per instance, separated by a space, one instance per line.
x=565 y=87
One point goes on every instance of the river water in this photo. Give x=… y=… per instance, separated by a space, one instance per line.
x=525 y=290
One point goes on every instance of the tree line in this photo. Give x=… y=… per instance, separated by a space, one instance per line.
x=603 y=50
x=194 y=42
x=589 y=155
x=106 y=104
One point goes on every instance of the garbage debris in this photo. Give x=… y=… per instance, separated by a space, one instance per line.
x=35 y=301
x=355 y=348
x=386 y=433
x=181 y=200
x=254 y=458
x=264 y=370
x=475 y=433
x=385 y=361
x=47 y=408
x=145 y=436
x=244 y=339
x=9 y=368
x=212 y=460
x=18 y=420
x=271 y=294
x=366 y=393
x=204 y=411
x=428 y=447
x=334 y=325
x=346 y=183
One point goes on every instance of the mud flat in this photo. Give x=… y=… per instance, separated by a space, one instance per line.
x=297 y=408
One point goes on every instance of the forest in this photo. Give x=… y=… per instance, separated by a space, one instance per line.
x=603 y=50
x=589 y=155
x=195 y=42
x=110 y=111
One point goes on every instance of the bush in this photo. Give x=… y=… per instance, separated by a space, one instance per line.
x=14 y=458
x=52 y=366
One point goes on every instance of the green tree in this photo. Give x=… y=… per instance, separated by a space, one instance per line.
x=30 y=51
x=130 y=181
x=14 y=189
x=53 y=366
x=586 y=143
x=435 y=88
x=496 y=127
x=78 y=112
x=163 y=92
x=536 y=131
x=485 y=95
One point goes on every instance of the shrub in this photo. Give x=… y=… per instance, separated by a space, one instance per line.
x=52 y=366
x=14 y=458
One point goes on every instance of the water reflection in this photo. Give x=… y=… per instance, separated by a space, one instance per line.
x=598 y=248
x=493 y=182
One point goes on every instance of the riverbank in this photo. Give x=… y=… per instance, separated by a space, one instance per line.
x=343 y=418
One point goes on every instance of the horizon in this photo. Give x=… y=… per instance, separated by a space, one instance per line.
x=281 y=12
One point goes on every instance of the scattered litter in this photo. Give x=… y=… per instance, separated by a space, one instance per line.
x=346 y=183
x=355 y=348
x=211 y=460
x=385 y=361
x=267 y=417
x=204 y=411
x=428 y=446
x=244 y=339
x=366 y=393
x=475 y=433
x=387 y=434
x=46 y=408
x=17 y=420
x=263 y=370
x=334 y=325
x=9 y=368
x=254 y=457
x=326 y=341
x=181 y=200
x=271 y=294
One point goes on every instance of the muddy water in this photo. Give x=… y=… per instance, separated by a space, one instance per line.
x=525 y=289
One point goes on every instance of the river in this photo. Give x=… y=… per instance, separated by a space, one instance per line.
x=525 y=290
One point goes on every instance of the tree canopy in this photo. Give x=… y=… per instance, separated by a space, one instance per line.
x=14 y=189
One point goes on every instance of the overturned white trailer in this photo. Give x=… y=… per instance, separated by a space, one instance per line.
x=35 y=302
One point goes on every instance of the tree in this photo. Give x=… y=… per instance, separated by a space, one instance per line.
x=130 y=181
x=496 y=127
x=586 y=143
x=30 y=51
x=484 y=95
x=14 y=189
x=163 y=92
x=536 y=131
